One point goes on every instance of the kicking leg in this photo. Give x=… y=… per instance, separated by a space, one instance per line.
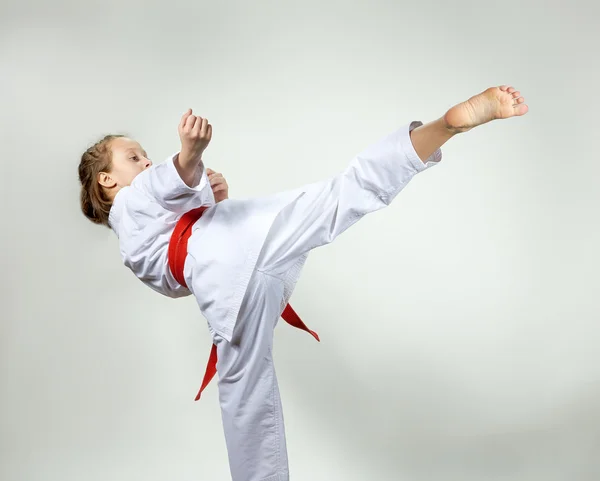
x=375 y=177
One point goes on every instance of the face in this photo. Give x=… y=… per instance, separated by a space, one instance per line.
x=128 y=160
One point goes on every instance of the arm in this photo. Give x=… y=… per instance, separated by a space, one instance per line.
x=182 y=183
x=195 y=134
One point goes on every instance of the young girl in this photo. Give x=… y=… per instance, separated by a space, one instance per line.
x=180 y=235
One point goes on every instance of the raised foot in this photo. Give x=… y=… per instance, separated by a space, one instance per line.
x=494 y=103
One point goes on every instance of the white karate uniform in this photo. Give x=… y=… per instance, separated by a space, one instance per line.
x=244 y=259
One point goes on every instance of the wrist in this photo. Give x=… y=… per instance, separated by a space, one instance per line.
x=190 y=156
x=189 y=167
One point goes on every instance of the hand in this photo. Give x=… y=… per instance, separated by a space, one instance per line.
x=195 y=134
x=218 y=185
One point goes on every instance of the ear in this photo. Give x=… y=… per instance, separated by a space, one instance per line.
x=105 y=180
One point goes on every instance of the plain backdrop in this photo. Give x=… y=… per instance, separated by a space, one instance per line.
x=460 y=326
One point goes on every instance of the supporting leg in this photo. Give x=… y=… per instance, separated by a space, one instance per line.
x=248 y=390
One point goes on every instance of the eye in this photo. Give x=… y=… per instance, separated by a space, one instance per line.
x=135 y=158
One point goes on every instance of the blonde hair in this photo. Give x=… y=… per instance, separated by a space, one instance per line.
x=95 y=203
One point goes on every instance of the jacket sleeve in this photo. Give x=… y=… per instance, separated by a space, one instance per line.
x=163 y=184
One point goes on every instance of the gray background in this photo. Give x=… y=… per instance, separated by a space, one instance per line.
x=460 y=327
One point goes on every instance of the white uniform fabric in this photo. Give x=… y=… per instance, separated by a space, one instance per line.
x=244 y=259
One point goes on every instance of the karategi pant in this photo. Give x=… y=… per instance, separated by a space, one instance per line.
x=248 y=391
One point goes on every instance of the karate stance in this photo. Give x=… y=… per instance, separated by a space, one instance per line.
x=180 y=235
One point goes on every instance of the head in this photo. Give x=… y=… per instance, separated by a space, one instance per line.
x=105 y=168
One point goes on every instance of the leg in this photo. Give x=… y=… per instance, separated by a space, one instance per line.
x=248 y=390
x=375 y=177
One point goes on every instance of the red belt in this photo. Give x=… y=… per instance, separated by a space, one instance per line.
x=177 y=255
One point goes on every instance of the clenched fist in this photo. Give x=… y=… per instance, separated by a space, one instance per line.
x=195 y=134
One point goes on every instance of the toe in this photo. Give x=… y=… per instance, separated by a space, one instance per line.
x=516 y=95
x=521 y=109
x=510 y=90
x=504 y=88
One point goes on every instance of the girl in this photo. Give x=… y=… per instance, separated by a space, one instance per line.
x=180 y=235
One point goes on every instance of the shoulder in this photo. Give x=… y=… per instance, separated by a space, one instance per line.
x=128 y=206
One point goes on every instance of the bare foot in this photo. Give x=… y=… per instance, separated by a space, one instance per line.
x=495 y=103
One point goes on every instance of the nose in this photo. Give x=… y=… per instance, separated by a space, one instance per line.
x=148 y=163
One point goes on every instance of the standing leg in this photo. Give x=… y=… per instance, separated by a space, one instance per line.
x=248 y=390
x=374 y=178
